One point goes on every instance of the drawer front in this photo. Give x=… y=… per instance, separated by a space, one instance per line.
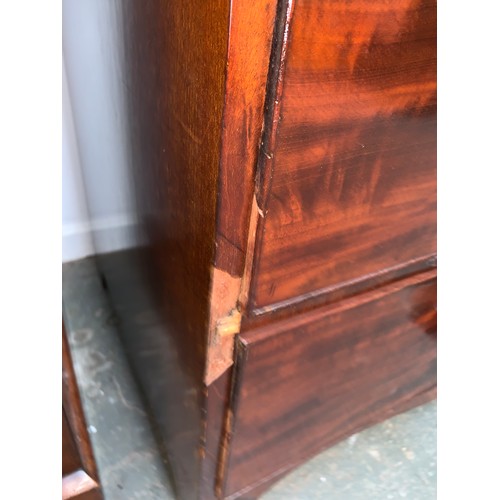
x=310 y=381
x=352 y=189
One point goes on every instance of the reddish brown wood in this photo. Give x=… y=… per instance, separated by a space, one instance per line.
x=217 y=400
x=251 y=30
x=352 y=173
x=176 y=62
x=321 y=239
x=70 y=457
x=195 y=79
x=334 y=293
x=175 y=54
x=79 y=471
x=314 y=379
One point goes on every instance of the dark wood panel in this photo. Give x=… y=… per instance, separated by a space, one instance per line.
x=175 y=54
x=352 y=185
x=196 y=83
x=195 y=79
x=312 y=380
x=217 y=401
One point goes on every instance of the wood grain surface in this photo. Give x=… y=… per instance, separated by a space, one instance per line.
x=312 y=380
x=352 y=183
x=175 y=54
x=195 y=79
x=343 y=202
x=217 y=401
x=249 y=48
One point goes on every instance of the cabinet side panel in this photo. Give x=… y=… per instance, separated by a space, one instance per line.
x=175 y=56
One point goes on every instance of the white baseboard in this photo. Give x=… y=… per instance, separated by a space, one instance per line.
x=76 y=241
x=102 y=235
x=115 y=233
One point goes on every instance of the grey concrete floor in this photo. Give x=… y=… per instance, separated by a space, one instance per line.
x=395 y=459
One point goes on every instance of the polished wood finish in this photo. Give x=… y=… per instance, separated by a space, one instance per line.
x=352 y=180
x=79 y=471
x=218 y=400
x=314 y=379
x=249 y=46
x=175 y=55
x=195 y=79
x=283 y=156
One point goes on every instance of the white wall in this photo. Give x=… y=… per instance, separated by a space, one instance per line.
x=94 y=67
x=76 y=234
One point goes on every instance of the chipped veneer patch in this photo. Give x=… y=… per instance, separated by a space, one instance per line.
x=223 y=324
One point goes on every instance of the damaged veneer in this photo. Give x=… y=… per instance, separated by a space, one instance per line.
x=290 y=147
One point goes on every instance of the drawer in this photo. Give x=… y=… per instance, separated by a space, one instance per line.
x=310 y=381
x=351 y=192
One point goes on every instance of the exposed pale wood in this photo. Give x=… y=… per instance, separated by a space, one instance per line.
x=225 y=290
x=79 y=486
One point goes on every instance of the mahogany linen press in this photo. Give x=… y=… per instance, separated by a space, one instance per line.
x=284 y=295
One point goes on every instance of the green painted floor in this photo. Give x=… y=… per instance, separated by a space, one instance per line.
x=396 y=459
